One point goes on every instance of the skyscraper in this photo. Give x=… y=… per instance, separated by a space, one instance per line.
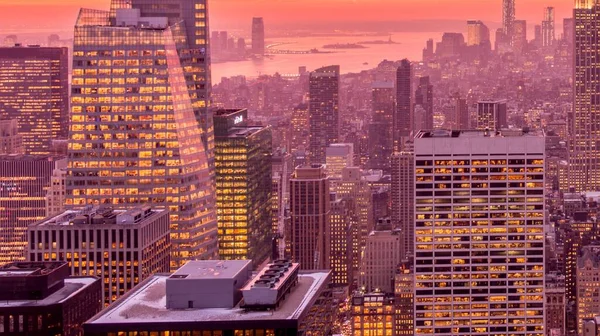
x=11 y=141
x=508 y=18
x=569 y=30
x=337 y=157
x=588 y=271
x=424 y=98
x=403 y=194
x=491 y=115
x=140 y=128
x=323 y=109
x=548 y=34
x=34 y=90
x=244 y=191
x=121 y=247
x=381 y=255
x=310 y=211
x=258 y=36
x=403 y=118
x=461 y=112
x=584 y=142
x=479 y=250
x=519 y=36
x=24 y=180
x=300 y=128
x=477 y=33
x=381 y=127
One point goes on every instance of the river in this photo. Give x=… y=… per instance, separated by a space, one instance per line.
x=409 y=45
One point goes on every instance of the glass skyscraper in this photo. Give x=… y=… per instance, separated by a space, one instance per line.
x=140 y=128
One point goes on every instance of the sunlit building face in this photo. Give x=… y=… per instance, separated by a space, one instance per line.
x=139 y=132
x=479 y=234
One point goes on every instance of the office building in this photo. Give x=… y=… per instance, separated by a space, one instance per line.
x=354 y=187
x=381 y=127
x=24 y=181
x=479 y=250
x=477 y=33
x=519 y=37
x=403 y=194
x=323 y=110
x=584 y=157
x=57 y=190
x=34 y=90
x=341 y=241
x=404 y=292
x=122 y=247
x=588 y=272
x=258 y=36
x=244 y=195
x=282 y=169
x=462 y=120
x=337 y=157
x=373 y=314
x=403 y=117
x=424 y=99
x=548 y=33
x=569 y=30
x=300 y=128
x=381 y=255
x=508 y=18
x=491 y=115
x=42 y=299
x=310 y=212
x=205 y=298
x=11 y=141
x=555 y=306
x=140 y=133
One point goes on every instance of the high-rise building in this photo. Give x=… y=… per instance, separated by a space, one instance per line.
x=323 y=109
x=569 y=30
x=403 y=117
x=381 y=255
x=537 y=36
x=548 y=33
x=57 y=190
x=355 y=188
x=337 y=157
x=141 y=132
x=479 y=250
x=477 y=33
x=244 y=195
x=508 y=18
x=11 y=141
x=121 y=247
x=404 y=292
x=584 y=155
x=403 y=194
x=42 y=299
x=555 y=306
x=300 y=128
x=310 y=207
x=588 y=272
x=24 y=181
x=34 y=90
x=461 y=112
x=373 y=314
x=491 y=115
x=205 y=298
x=381 y=141
x=282 y=169
x=341 y=241
x=424 y=98
x=519 y=36
x=258 y=36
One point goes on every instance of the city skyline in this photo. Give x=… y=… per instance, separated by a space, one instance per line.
x=234 y=12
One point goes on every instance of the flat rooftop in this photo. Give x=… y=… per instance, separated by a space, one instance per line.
x=243 y=132
x=147 y=304
x=72 y=286
x=211 y=269
x=67 y=217
x=441 y=133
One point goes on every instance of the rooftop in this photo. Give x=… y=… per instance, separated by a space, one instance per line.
x=73 y=286
x=147 y=303
x=211 y=269
x=100 y=215
x=441 y=133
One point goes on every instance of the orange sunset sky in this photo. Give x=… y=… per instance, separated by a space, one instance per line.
x=60 y=14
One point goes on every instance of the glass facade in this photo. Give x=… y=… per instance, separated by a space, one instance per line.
x=139 y=132
x=34 y=88
x=244 y=181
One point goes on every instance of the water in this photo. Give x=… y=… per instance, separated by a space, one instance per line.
x=410 y=45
